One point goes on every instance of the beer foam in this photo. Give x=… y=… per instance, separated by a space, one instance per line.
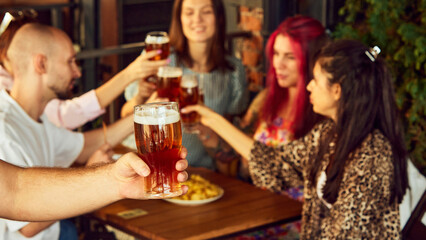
x=156 y=39
x=161 y=116
x=188 y=83
x=169 y=72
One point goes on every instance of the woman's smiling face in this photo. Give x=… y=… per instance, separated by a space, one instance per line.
x=198 y=20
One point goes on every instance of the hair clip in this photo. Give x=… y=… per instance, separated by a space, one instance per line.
x=5 y=22
x=373 y=53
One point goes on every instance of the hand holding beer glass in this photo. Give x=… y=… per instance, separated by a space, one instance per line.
x=157 y=41
x=159 y=141
x=189 y=95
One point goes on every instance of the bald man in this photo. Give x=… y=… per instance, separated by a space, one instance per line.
x=43 y=63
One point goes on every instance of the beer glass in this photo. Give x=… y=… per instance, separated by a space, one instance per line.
x=158 y=136
x=157 y=41
x=168 y=82
x=201 y=79
x=189 y=95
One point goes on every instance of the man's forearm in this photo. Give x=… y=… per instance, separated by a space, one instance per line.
x=48 y=194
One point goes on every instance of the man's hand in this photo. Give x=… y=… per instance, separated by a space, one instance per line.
x=130 y=172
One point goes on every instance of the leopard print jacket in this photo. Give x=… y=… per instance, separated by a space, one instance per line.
x=362 y=209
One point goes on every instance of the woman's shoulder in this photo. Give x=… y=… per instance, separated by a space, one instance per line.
x=322 y=127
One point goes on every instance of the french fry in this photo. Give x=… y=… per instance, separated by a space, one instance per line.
x=199 y=188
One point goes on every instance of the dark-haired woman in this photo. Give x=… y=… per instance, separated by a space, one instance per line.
x=354 y=164
x=197 y=36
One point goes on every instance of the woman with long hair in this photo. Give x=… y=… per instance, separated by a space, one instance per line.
x=354 y=164
x=197 y=37
x=282 y=112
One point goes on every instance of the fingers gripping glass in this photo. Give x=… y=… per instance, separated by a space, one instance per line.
x=158 y=135
x=157 y=41
x=16 y=16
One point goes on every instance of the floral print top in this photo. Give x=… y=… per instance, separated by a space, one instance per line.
x=276 y=134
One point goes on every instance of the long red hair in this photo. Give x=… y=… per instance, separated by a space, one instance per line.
x=306 y=35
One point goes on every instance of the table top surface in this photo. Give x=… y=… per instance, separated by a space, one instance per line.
x=242 y=207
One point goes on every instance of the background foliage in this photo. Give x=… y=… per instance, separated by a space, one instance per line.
x=398 y=27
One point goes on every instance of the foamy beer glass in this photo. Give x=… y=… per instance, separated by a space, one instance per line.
x=157 y=41
x=168 y=82
x=189 y=95
x=159 y=140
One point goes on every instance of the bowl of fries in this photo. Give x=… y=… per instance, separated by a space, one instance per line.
x=200 y=191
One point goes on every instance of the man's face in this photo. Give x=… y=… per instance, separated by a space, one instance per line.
x=62 y=67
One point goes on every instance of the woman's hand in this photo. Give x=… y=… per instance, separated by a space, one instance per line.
x=208 y=116
x=145 y=89
x=141 y=67
x=154 y=98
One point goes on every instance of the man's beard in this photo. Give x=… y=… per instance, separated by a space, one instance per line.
x=62 y=94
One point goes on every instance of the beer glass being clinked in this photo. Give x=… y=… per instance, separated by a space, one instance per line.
x=168 y=82
x=157 y=41
x=159 y=141
x=189 y=95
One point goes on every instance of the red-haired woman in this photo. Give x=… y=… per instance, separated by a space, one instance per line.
x=281 y=112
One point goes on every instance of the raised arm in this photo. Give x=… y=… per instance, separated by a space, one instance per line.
x=41 y=194
x=139 y=69
x=75 y=112
x=231 y=134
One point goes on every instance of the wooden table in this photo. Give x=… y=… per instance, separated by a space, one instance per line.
x=241 y=208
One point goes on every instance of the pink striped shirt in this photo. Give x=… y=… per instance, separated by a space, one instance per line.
x=69 y=114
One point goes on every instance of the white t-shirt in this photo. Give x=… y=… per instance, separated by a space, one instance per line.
x=27 y=143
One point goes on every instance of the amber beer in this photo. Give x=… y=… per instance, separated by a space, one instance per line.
x=168 y=82
x=156 y=41
x=189 y=95
x=159 y=139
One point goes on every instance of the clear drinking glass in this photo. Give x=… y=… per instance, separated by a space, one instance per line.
x=157 y=41
x=168 y=82
x=158 y=136
x=189 y=95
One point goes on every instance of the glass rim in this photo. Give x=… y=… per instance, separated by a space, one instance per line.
x=177 y=71
x=160 y=104
x=157 y=37
x=158 y=33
